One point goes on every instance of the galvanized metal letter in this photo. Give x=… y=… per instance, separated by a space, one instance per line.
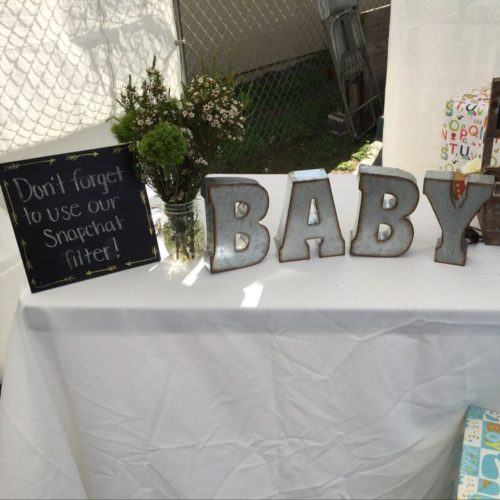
x=234 y=206
x=454 y=215
x=308 y=188
x=376 y=211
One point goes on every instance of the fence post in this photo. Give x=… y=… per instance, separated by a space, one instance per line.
x=180 y=42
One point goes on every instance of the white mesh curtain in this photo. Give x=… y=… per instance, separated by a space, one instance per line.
x=64 y=62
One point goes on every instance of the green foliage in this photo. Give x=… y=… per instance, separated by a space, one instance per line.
x=174 y=140
x=283 y=107
x=124 y=128
x=351 y=164
x=164 y=146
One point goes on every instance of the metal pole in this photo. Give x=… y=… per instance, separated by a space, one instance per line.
x=180 y=42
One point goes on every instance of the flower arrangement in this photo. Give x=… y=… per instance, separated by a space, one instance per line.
x=175 y=140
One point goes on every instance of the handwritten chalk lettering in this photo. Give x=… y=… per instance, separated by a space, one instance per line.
x=64 y=212
x=82 y=233
x=77 y=257
x=26 y=191
x=96 y=206
x=78 y=215
x=83 y=181
x=32 y=216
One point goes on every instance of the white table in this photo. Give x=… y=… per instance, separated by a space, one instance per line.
x=330 y=378
x=12 y=280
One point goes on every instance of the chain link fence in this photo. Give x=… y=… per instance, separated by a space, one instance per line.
x=65 y=61
x=278 y=49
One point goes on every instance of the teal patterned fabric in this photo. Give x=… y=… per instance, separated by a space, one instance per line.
x=480 y=464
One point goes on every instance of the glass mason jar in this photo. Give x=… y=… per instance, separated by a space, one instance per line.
x=183 y=231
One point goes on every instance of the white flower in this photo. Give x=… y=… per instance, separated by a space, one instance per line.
x=200 y=160
x=187 y=132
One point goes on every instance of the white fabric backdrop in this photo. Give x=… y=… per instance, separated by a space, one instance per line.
x=438 y=49
x=64 y=62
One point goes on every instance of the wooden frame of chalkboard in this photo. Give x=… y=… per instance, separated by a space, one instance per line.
x=78 y=215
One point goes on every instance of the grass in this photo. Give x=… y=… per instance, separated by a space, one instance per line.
x=318 y=151
x=363 y=152
x=287 y=127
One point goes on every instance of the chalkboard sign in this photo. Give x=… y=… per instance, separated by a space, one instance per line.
x=78 y=215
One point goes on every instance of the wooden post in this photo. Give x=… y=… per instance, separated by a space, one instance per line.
x=493 y=125
x=489 y=215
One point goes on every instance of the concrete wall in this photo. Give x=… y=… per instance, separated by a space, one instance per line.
x=243 y=35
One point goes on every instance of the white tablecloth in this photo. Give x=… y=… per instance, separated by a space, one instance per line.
x=12 y=280
x=342 y=377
